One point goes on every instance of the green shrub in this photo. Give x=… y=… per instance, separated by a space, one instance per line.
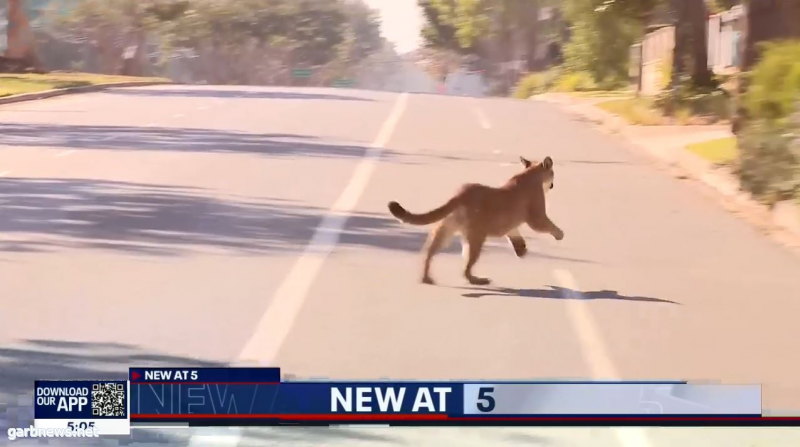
x=769 y=165
x=774 y=82
x=687 y=99
x=579 y=81
x=532 y=84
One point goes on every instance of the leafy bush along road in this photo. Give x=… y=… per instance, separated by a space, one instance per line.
x=769 y=145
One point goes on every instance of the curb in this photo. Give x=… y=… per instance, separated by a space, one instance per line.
x=73 y=90
x=784 y=216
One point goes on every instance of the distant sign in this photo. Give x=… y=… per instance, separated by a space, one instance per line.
x=344 y=83
x=302 y=72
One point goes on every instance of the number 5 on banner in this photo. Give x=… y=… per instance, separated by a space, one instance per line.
x=485 y=399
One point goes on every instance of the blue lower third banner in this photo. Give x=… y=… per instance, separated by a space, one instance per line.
x=447 y=403
x=89 y=405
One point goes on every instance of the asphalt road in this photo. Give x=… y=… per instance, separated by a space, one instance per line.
x=217 y=225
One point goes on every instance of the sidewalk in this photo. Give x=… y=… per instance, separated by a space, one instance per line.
x=667 y=144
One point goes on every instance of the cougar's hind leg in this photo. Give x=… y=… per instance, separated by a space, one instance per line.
x=517 y=242
x=473 y=245
x=438 y=238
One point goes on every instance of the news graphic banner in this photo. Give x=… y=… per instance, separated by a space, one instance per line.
x=88 y=405
x=256 y=396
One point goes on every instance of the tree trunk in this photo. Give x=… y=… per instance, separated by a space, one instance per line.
x=690 y=54
x=681 y=42
x=701 y=74
x=19 y=35
x=532 y=28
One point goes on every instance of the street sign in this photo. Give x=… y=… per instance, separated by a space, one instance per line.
x=301 y=72
x=344 y=83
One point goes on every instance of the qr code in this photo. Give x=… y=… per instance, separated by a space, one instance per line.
x=108 y=399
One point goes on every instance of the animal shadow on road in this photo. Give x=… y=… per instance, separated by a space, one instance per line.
x=245 y=94
x=560 y=293
x=28 y=360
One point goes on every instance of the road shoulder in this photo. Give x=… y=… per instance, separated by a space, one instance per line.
x=75 y=90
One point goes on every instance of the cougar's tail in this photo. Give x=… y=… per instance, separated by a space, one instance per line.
x=426 y=218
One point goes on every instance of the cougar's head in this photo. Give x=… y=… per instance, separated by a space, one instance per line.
x=543 y=170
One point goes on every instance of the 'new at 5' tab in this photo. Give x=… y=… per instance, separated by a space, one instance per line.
x=85 y=404
x=204 y=375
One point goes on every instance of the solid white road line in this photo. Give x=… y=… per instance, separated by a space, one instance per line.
x=595 y=352
x=277 y=321
x=285 y=304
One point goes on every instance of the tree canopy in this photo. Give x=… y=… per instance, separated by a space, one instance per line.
x=247 y=40
x=601 y=31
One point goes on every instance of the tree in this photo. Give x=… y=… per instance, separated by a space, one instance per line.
x=438 y=63
x=438 y=30
x=456 y=25
x=486 y=30
x=19 y=37
x=361 y=40
x=602 y=33
x=449 y=34
x=116 y=29
x=690 y=55
x=717 y=6
x=364 y=24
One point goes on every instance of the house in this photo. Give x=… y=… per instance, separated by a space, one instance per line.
x=724 y=37
x=655 y=51
x=656 y=59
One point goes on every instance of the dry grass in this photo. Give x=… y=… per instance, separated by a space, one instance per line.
x=721 y=151
x=14 y=84
x=634 y=110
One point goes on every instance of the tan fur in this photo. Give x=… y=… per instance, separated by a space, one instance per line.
x=478 y=211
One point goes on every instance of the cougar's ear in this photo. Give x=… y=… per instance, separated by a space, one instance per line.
x=547 y=163
x=525 y=162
